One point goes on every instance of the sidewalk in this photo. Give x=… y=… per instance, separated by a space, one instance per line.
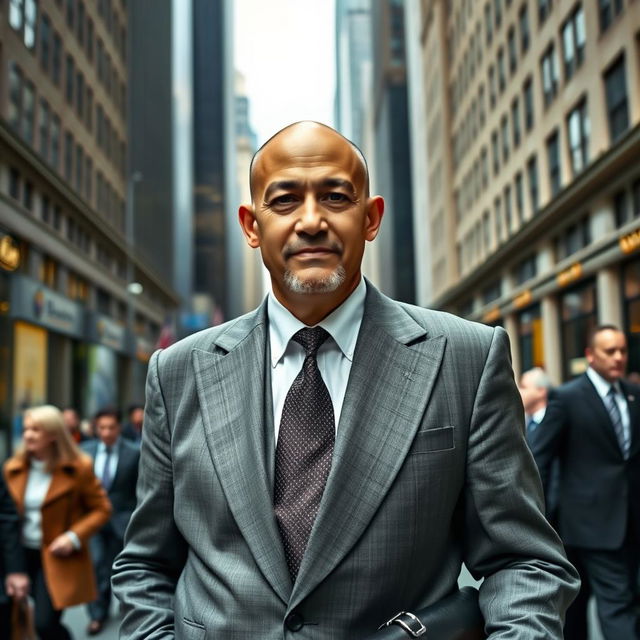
x=77 y=619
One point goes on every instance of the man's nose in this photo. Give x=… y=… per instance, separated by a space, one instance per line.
x=311 y=218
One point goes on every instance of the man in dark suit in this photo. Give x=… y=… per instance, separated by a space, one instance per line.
x=14 y=582
x=592 y=426
x=313 y=467
x=116 y=464
x=132 y=430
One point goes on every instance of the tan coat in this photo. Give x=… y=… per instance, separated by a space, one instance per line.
x=74 y=502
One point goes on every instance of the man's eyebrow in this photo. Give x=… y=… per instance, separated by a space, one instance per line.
x=296 y=184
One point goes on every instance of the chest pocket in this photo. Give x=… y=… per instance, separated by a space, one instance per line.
x=431 y=440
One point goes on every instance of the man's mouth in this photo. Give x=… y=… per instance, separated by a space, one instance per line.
x=304 y=251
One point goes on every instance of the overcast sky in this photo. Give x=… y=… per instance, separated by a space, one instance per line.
x=285 y=49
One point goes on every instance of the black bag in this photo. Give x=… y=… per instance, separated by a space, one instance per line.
x=455 y=617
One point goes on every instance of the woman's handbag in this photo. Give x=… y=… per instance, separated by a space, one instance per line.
x=22 y=619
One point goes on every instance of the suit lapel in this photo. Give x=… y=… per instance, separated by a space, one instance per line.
x=231 y=393
x=394 y=368
x=634 y=419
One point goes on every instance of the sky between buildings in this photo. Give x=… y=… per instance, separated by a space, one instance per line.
x=286 y=51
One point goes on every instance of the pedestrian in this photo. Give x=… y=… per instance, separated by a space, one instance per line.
x=14 y=582
x=116 y=464
x=132 y=430
x=410 y=418
x=61 y=504
x=592 y=427
x=72 y=422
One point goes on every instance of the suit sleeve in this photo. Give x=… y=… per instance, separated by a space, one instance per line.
x=528 y=582
x=95 y=503
x=146 y=572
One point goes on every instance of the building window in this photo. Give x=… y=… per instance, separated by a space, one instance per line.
x=508 y=210
x=530 y=338
x=486 y=230
x=79 y=169
x=621 y=208
x=45 y=43
x=534 y=187
x=549 y=72
x=525 y=31
x=56 y=59
x=492 y=291
x=526 y=269
x=70 y=75
x=14 y=183
x=44 y=118
x=68 y=156
x=607 y=11
x=23 y=17
x=89 y=109
x=55 y=142
x=484 y=167
x=553 y=159
x=544 y=9
x=492 y=86
x=80 y=26
x=495 y=152
x=527 y=93
x=80 y=94
x=512 y=48
x=504 y=131
x=519 y=187
x=502 y=74
x=573 y=42
x=497 y=212
x=16 y=82
x=575 y=237
x=578 y=130
x=515 y=122
x=45 y=210
x=497 y=11
x=28 y=111
x=488 y=22
x=27 y=196
x=90 y=38
x=88 y=174
x=616 y=96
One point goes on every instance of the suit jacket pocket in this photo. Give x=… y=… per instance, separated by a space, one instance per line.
x=192 y=630
x=430 y=440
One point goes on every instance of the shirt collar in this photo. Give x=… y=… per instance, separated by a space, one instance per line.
x=342 y=324
x=102 y=447
x=538 y=415
x=602 y=386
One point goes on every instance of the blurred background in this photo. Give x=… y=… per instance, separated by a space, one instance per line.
x=504 y=135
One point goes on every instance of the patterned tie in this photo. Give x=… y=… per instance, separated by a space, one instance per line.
x=106 y=471
x=532 y=425
x=303 y=452
x=616 y=420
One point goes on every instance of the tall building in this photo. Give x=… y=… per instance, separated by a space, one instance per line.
x=183 y=143
x=80 y=309
x=392 y=148
x=533 y=136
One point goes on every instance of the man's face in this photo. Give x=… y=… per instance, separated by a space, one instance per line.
x=70 y=419
x=608 y=354
x=530 y=393
x=311 y=216
x=108 y=430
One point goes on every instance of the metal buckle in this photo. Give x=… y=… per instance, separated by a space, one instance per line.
x=407 y=621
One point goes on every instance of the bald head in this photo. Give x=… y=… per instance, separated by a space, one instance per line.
x=304 y=139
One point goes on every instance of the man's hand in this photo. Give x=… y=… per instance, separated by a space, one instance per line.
x=62 y=546
x=17 y=585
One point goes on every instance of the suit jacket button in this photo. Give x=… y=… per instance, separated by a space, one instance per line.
x=294 y=621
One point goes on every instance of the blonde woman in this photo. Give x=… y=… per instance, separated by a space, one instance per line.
x=62 y=504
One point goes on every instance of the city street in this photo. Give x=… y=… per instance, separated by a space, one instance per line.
x=77 y=619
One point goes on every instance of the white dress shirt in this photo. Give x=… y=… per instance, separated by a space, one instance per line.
x=101 y=458
x=335 y=356
x=602 y=387
x=38 y=483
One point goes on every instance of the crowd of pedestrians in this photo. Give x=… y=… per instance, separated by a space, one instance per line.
x=585 y=438
x=66 y=496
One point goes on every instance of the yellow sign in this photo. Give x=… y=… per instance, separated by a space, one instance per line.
x=491 y=316
x=630 y=242
x=573 y=273
x=9 y=254
x=523 y=299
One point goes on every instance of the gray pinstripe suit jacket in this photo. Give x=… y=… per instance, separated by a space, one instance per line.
x=430 y=469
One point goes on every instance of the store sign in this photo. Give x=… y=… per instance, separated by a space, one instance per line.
x=573 y=273
x=630 y=242
x=9 y=254
x=105 y=331
x=491 y=316
x=523 y=300
x=32 y=301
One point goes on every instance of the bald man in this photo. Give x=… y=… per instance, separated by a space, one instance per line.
x=313 y=467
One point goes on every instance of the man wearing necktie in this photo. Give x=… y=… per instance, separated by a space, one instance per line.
x=116 y=465
x=592 y=426
x=318 y=465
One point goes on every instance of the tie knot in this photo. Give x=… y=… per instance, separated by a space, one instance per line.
x=311 y=339
x=612 y=391
x=108 y=450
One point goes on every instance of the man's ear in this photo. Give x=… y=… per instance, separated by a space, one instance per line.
x=248 y=224
x=375 y=211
